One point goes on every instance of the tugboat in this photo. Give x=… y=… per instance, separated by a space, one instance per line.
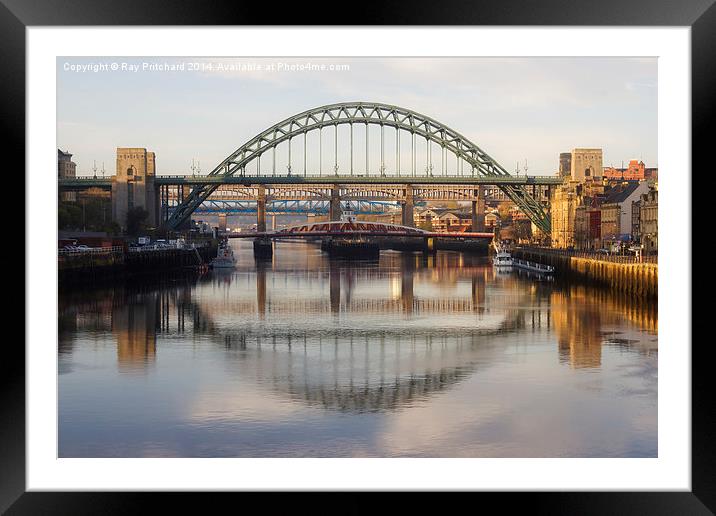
x=503 y=257
x=225 y=257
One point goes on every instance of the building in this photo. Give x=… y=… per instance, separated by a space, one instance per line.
x=455 y=221
x=133 y=185
x=492 y=219
x=586 y=165
x=565 y=200
x=613 y=174
x=594 y=215
x=581 y=227
x=442 y=220
x=636 y=171
x=66 y=169
x=648 y=221
x=565 y=164
x=423 y=219
x=617 y=214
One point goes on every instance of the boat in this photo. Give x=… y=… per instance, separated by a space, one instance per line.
x=503 y=257
x=225 y=257
x=532 y=266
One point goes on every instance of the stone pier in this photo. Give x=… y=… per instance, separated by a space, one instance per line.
x=478 y=211
x=407 y=216
x=261 y=209
x=335 y=209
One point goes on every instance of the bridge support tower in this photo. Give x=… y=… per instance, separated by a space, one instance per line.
x=222 y=222
x=478 y=210
x=133 y=185
x=261 y=210
x=335 y=209
x=408 y=208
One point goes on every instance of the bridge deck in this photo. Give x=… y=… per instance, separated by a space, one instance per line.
x=361 y=233
x=323 y=180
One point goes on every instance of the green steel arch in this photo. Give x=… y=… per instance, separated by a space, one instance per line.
x=363 y=113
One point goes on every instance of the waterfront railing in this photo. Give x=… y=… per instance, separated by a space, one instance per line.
x=91 y=250
x=614 y=258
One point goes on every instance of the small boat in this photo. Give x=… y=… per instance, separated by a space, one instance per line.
x=503 y=258
x=533 y=267
x=225 y=257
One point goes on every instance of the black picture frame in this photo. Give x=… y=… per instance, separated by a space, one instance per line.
x=17 y=15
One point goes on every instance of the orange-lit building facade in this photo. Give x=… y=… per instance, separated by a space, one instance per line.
x=635 y=171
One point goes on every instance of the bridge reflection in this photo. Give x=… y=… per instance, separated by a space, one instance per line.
x=352 y=337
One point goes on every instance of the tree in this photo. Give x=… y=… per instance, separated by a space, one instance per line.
x=69 y=216
x=523 y=230
x=136 y=218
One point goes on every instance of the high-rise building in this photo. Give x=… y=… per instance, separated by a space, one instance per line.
x=586 y=165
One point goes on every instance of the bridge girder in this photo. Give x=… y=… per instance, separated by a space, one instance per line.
x=367 y=113
x=350 y=192
x=288 y=207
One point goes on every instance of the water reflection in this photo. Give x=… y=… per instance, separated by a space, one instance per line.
x=341 y=337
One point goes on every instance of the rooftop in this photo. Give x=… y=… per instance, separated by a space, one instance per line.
x=621 y=192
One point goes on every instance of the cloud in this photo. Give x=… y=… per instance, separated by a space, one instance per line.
x=515 y=108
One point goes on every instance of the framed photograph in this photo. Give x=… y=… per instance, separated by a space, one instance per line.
x=420 y=253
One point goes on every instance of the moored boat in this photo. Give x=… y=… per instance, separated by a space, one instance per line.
x=503 y=258
x=225 y=258
x=533 y=266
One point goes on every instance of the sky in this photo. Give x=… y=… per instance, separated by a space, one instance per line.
x=516 y=109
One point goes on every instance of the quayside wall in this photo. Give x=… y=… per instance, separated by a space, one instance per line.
x=620 y=273
x=118 y=261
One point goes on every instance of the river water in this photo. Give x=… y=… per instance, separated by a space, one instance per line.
x=302 y=356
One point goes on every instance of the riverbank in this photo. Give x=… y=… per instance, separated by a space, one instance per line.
x=623 y=274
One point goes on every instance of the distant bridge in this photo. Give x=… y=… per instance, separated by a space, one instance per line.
x=293 y=207
x=357 y=229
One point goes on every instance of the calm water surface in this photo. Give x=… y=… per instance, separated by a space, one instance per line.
x=302 y=356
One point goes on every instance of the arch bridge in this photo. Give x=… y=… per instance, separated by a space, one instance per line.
x=461 y=161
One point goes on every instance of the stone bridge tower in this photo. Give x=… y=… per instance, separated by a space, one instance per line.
x=133 y=185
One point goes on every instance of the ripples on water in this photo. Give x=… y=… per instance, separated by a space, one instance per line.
x=420 y=356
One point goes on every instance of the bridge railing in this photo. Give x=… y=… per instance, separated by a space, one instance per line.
x=592 y=255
